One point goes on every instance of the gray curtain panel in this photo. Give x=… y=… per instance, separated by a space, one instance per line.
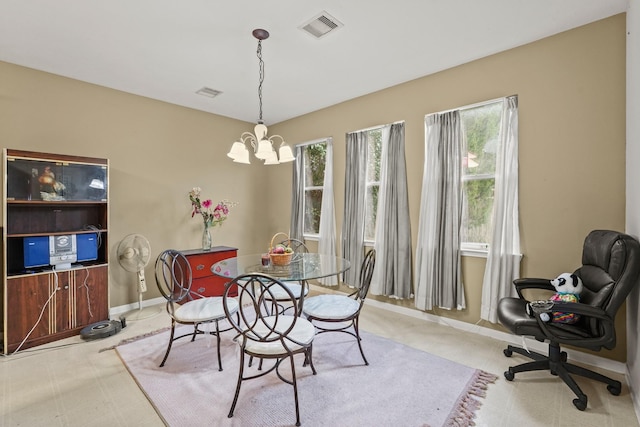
x=392 y=274
x=354 y=205
x=503 y=260
x=327 y=241
x=437 y=271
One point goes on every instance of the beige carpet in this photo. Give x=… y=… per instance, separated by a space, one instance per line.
x=402 y=386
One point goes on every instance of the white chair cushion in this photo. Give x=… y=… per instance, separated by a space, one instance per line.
x=203 y=310
x=332 y=307
x=303 y=332
x=281 y=295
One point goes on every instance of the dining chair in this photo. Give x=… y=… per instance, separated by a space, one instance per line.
x=265 y=332
x=174 y=278
x=298 y=289
x=325 y=310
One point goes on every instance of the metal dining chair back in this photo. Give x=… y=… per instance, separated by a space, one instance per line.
x=265 y=332
x=341 y=313
x=174 y=278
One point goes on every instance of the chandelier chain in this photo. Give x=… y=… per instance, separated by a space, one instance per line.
x=261 y=76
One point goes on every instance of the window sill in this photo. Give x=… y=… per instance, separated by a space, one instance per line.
x=476 y=253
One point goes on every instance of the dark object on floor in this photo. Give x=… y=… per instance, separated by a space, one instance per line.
x=102 y=329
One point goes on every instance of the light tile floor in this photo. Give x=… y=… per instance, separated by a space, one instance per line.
x=77 y=383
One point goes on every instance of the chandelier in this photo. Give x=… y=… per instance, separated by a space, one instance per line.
x=263 y=147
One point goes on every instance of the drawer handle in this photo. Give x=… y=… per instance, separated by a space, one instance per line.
x=200 y=267
x=200 y=290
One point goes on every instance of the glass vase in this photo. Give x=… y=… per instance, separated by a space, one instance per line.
x=206 y=238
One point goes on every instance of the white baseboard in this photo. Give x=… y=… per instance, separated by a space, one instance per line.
x=115 y=311
x=578 y=356
x=589 y=359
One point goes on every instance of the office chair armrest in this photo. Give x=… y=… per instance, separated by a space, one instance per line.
x=583 y=310
x=532 y=283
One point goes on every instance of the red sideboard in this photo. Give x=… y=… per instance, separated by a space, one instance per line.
x=204 y=281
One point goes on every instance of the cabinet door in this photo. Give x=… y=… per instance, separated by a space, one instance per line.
x=91 y=291
x=27 y=297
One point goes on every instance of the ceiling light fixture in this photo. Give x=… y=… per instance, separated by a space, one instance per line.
x=263 y=146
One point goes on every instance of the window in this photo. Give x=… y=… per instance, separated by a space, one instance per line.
x=374 y=150
x=314 y=164
x=481 y=128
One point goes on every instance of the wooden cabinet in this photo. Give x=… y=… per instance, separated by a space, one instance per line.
x=54 y=246
x=205 y=282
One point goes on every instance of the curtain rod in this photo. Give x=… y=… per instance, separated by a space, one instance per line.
x=375 y=127
x=470 y=106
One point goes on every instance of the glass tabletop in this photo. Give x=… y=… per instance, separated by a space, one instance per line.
x=302 y=267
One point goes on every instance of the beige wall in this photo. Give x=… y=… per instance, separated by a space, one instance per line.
x=157 y=153
x=571 y=90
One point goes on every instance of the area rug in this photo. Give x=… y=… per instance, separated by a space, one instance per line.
x=401 y=386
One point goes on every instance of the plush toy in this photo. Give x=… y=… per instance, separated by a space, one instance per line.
x=568 y=289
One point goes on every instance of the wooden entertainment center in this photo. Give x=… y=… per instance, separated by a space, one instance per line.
x=49 y=201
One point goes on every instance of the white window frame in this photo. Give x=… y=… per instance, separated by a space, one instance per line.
x=325 y=141
x=475 y=249
x=369 y=184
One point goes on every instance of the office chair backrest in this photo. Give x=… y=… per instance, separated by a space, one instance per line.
x=366 y=272
x=610 y=270
x=173 y=275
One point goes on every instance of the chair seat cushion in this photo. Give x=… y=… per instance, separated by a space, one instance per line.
x=280 y=294
x=203 y=310
x=331 y=307
x=300 y=336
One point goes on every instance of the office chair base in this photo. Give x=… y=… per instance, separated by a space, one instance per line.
x=556 y=363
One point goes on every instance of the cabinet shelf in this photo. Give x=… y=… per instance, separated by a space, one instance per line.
x=55 y=203
x=57 y=233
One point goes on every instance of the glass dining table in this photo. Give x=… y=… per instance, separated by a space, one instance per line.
x=302 y=268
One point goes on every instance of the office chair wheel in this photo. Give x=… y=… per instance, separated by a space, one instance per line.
x=509 y=375
x=507 y=352
x=615 y=390
x=581 y=404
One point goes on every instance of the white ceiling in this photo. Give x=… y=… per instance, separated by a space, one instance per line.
x=168 y=49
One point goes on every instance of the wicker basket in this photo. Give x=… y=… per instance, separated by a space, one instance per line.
x=279 y=259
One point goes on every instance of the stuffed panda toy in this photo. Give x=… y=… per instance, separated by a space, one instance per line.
x=568 y=289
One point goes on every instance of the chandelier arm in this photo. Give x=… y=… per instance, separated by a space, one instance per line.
x=249 y=137
x=272 y=141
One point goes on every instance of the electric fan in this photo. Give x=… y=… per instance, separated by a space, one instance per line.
x=134 y=252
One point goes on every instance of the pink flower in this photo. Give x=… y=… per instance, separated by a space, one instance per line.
x=211 y=217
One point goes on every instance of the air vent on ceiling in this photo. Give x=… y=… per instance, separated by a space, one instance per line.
x=206 y=91
x=321 y=25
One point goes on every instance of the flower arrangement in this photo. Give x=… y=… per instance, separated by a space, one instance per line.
x=211 y=215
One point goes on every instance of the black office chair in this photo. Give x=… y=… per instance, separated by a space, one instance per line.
x=326 y=310
x=610 y=270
